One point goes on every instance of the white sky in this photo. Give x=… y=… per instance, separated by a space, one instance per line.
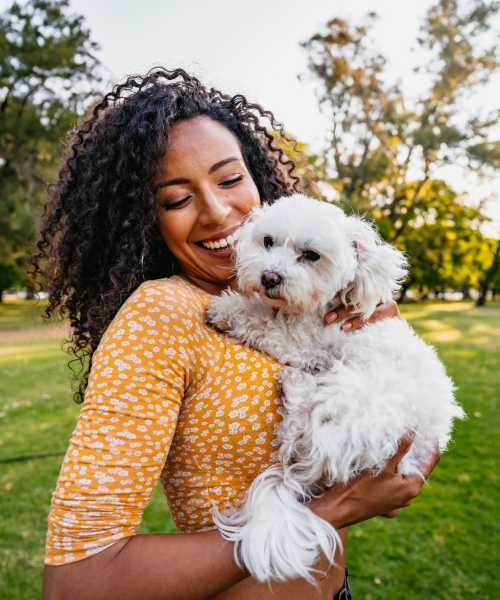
x=242 y=47
x=253 y=48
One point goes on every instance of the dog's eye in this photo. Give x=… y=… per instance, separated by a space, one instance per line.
x=310 y=255
x=268 y=241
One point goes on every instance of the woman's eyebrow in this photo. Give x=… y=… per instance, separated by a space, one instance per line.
x=221 y=163
x=182 y=180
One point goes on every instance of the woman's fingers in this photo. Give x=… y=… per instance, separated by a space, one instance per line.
x=339 y=314
x=354 y=320
x=432 y=463
x=392 y=513
x=353 y=324
x=404 y=446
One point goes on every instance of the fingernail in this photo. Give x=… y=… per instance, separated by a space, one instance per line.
x=346 y=326
x=330 y=317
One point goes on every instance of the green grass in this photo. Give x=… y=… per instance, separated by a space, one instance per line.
x=443 y=547
x=446 y=545
x=21 y=314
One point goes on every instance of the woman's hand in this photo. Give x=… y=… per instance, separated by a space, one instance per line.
x=368 y=496
x=354 y=321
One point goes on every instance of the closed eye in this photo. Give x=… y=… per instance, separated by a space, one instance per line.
x=175 y=203
x=231 y=180
x=182 y=201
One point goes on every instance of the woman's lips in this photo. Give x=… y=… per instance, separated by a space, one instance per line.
x=219 y=252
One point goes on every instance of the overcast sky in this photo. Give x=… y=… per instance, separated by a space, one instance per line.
x=243 y=47
x=254 y=48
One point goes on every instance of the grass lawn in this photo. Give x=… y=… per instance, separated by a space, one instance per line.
x=443 y=547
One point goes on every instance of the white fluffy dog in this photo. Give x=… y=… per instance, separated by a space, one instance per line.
x=348 y=398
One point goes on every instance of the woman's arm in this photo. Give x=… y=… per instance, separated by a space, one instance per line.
x=149 y=567
x=116 y=455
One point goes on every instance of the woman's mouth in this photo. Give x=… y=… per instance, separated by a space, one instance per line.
x=221 y=246
x=220 y=252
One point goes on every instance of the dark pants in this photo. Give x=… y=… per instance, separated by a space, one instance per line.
x=345 y=592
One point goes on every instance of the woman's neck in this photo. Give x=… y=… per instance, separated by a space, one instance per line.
x=211 y=287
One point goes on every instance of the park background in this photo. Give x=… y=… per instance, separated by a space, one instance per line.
x=395 y=115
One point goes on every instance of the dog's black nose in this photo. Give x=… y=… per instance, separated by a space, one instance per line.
x=270 y=279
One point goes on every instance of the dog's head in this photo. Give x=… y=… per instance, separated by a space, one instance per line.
x=300 y=253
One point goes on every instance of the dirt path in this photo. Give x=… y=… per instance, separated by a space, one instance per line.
x=51 y=331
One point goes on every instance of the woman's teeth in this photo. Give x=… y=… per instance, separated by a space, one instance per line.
x=226 y=242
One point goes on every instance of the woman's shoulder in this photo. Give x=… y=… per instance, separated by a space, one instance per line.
x=161 y=311
x=171 y=293
x=159 y=302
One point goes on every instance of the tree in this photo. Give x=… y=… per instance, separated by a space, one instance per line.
x=47 y=69
x=306 y=164
x=380 y=137
x=491 y=277
x=443 y=241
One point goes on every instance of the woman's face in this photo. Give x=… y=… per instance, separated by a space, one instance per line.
x=203 y=195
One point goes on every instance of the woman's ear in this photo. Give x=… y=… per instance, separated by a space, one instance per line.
x=380 y=269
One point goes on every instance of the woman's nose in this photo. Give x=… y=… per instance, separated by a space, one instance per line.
x=214 y=209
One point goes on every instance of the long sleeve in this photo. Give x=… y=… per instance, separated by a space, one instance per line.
x=122 y=438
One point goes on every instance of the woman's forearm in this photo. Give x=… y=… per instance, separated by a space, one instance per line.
x=149 y=567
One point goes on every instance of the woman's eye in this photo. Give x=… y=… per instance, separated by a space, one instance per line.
x=310 y=255
x=268 y=241
x=176 y=203
x=231 y=180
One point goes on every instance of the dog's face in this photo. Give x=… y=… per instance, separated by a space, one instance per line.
x=295 y=254
x=299 y=253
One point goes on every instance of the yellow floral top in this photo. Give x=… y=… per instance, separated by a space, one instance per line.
x=169 y=398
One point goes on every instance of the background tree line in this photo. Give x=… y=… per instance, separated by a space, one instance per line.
x=48 y=70
x=386 y=149
x=384 y=152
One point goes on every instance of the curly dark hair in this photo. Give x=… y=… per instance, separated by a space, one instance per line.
x=99 y=239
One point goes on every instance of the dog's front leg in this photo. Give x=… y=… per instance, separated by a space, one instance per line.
x=234 y=314
x=297 y=388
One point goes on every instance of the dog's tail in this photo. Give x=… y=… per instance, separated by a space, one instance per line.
x=275 y=536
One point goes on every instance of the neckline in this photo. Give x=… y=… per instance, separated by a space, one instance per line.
x=185 y=281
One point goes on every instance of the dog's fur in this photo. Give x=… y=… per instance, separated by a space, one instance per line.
x=348 y=398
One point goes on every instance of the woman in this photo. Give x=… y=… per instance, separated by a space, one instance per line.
x=136 y=239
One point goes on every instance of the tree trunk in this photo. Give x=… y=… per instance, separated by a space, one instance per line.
x=489 y=276
x=404 y=289
x=422 y=294
x=30 y=293
x=402 y=293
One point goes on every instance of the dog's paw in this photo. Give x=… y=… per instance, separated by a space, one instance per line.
x=219 y=314
x=296 y=385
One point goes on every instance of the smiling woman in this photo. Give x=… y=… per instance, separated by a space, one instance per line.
x=137 y=237
x=199 y=216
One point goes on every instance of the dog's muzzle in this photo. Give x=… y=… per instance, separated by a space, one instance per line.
x=270 y=279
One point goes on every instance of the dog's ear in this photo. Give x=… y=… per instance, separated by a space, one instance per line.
x=380 y=268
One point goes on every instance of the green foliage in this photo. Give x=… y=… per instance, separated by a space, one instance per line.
x=306 y=164
x=7 y=277
x=380 y=137
x=47 y=66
